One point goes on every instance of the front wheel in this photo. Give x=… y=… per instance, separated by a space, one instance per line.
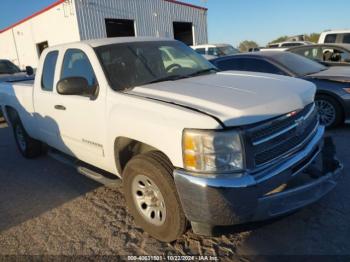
x=152 y=198
x=329 y=110
x=29 y=147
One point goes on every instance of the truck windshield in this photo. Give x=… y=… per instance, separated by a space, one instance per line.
x=128 y=65
x=6 y=67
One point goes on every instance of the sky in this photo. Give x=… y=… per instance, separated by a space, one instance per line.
x=233 y=21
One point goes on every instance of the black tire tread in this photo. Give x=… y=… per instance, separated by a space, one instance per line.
x=34 y=147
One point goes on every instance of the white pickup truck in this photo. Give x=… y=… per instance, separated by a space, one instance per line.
x=191 y=144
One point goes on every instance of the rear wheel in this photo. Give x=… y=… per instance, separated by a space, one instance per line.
x=330 y=111
x=29 y=147
x=152 y=198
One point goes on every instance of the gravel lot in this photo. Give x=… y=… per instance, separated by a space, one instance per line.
x=46 y=208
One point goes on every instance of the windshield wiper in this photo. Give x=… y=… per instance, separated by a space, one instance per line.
x=167 y=78
x=177 y=77
x=202 y=72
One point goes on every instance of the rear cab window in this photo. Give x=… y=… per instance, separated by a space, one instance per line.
x=48 y=75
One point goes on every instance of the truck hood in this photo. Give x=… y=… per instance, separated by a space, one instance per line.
x=15 y=77
x=236 y=98
x=335 y=73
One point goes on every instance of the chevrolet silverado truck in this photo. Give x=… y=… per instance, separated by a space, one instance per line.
x=192 y=145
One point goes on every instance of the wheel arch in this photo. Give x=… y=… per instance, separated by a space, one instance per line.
x=335 y=97
x=10 y=114
x=126 y=148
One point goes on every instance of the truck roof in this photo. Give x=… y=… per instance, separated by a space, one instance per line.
x=338 y=31
x=114 y=40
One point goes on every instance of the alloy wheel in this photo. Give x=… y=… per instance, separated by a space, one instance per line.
x=327 y=112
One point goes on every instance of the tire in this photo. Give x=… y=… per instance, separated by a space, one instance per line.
x=168 y=221
x=328 y=106
x=28 y=147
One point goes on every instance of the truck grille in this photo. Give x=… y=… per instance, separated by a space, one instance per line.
x=283 y=135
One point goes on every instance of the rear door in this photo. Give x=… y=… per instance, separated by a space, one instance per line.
x=45 y=98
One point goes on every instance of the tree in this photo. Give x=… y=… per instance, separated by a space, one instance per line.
x=280 y=39
x=312 y=37
x=246 y=45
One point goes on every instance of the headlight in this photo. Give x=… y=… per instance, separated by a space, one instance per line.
x=212 y=151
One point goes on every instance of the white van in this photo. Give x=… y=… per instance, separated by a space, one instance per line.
x=335 y=36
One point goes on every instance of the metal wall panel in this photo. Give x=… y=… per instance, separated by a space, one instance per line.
x=152 y=17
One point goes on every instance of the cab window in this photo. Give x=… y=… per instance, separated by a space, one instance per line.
x=346 y=38
x=77 y=64
x=335 y=55
x=200 y=51
x=312 y=53
x=331 y=38
x=213 y=51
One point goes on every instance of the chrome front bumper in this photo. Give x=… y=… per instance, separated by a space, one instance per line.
x=237 y=199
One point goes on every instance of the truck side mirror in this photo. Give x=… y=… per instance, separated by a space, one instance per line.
x=73 y=86
x=29 y=70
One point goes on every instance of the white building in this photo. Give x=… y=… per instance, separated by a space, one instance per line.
x=74 y=20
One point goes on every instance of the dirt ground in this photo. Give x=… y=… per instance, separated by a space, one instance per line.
x=46 y=208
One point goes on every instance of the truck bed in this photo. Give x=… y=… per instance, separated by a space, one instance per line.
x=18 y=95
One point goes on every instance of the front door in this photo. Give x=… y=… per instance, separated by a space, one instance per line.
x=81 y=119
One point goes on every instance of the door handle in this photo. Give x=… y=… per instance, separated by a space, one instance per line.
x=60 y=107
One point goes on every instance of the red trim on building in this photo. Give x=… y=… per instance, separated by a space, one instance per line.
x=33 y=15
x=62 y=1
